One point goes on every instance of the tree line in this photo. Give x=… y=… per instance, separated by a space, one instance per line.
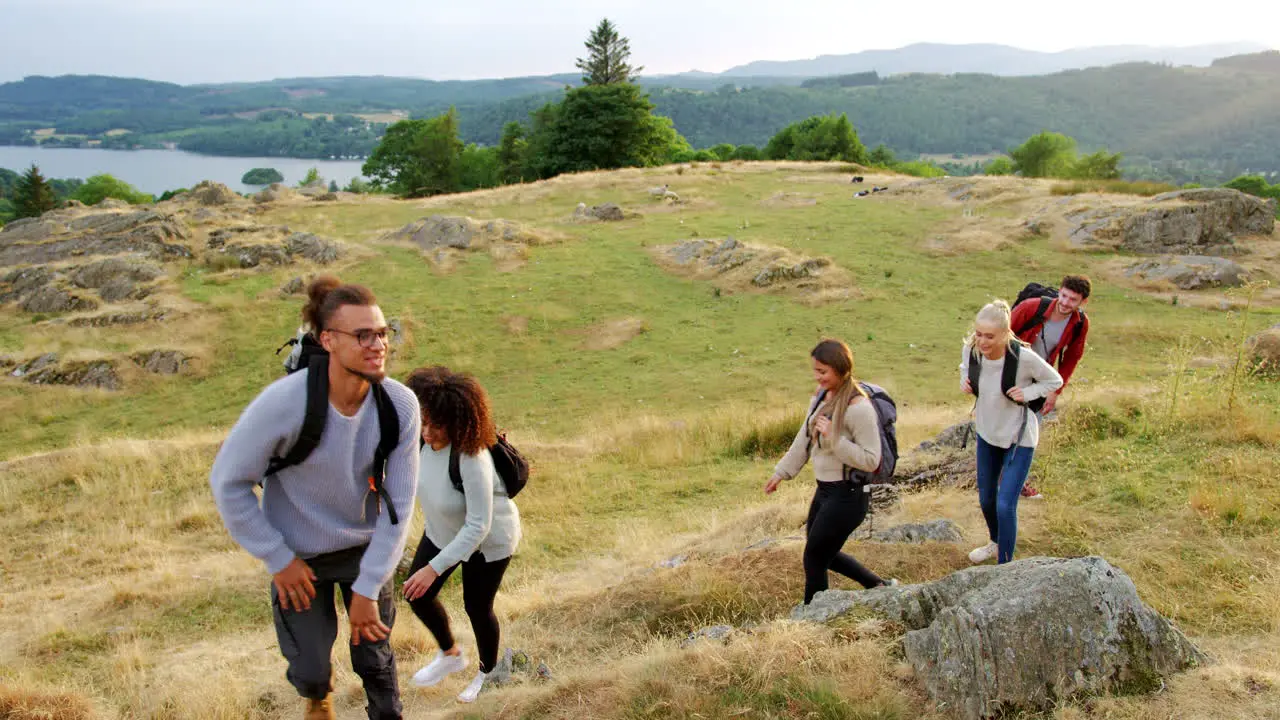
x=1179 y=124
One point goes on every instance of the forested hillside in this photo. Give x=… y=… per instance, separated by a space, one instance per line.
x=1183 y=123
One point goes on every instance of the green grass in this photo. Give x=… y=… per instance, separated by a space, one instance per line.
x=700 y=350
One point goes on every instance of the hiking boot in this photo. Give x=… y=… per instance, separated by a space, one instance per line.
x=440 y=667
x=983 y=554
x=473 y=690
x=1031 y=493
x=319 y=710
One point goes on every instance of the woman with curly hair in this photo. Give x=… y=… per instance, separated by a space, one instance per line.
x=477 y=526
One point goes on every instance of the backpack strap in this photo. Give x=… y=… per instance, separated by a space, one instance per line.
x=813 y=411
x=313 y=421
x=388 y=438
x=975 y=370
x=1009 y=373
x=455 y=468
x=1038 y=319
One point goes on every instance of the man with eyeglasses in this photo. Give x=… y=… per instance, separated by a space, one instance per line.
x=338 y=517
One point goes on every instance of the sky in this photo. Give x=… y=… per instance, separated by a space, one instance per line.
x=193 y=41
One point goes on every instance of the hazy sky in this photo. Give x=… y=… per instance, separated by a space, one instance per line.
x=225 y=40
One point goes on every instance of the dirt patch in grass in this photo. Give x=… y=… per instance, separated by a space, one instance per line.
x=611 y=333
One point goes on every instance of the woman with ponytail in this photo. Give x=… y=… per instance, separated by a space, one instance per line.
x=1007 y=430
x=840 y=431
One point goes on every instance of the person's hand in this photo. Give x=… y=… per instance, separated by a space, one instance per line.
x=366 y=624
x=965 y=386
x=1015 y=394
x=294 y=586
x=823 y=423
x=418 y=583
x=1049 y=403
x=772 y=485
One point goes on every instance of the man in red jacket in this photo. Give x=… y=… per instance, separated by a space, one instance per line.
x=1056 y=328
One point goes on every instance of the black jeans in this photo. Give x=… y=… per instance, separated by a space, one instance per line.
x=480 y=581
x=306 y=637
x=838 y=508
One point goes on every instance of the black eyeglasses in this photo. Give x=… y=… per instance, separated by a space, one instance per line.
x=366 y=336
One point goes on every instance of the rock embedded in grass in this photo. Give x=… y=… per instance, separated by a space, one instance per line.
x=1024 y=636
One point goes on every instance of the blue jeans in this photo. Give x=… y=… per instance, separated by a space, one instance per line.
x=998 y=495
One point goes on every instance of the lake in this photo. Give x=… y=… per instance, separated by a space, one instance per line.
x=154 y=171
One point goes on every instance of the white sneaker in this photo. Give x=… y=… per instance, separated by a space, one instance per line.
x=473 y=690
x=984 y=553
x=440 y=667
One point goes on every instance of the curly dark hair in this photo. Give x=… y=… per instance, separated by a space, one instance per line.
x=457 y=403
x=1078 y=283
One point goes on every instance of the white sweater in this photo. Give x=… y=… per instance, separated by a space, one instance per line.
x=481 y=517
x=997 y=418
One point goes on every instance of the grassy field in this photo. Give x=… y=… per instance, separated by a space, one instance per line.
x=125 y=598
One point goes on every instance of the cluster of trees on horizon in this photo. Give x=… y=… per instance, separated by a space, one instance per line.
x=607 y=122
x=1175 y=124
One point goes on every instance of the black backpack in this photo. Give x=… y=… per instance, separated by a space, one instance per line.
x=887 y=414
x=1008 y=374
x=314 y=359
x=511 y=466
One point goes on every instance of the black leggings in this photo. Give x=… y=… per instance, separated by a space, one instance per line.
x=838 y=508
x=480 y=581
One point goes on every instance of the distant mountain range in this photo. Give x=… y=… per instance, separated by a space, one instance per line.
x=989 y=59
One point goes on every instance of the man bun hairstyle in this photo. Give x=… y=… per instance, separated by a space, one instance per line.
x=1078 y=284
x=326 y=294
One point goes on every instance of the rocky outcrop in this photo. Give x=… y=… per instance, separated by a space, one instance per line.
x=608 y=212
x=990 y=641
x=1264 y=352
x=309 y=246
x=249 y=256
x=954 y=437
x=274 y=193
x=111 y=319
x=51 y=239
x=781 y=273
x=50 y=299
x=295 y=286
x=210 y=193
x=1203 y=221
x=46 y=370
x=1191 y=272
x=162 y=362
x=755 y=266
x=462 y=233
x=117 y=278
x=935 y=531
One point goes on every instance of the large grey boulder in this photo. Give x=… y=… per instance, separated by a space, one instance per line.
x=1191 y=272
x=1024 y=636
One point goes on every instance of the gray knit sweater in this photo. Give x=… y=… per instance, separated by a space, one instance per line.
x=323 y=504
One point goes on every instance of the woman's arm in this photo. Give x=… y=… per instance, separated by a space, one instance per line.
x=477 y=485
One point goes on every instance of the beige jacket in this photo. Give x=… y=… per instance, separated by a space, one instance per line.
x=858 y=445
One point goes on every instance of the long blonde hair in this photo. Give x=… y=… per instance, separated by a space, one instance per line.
x=837 y=356
x=995 y=314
